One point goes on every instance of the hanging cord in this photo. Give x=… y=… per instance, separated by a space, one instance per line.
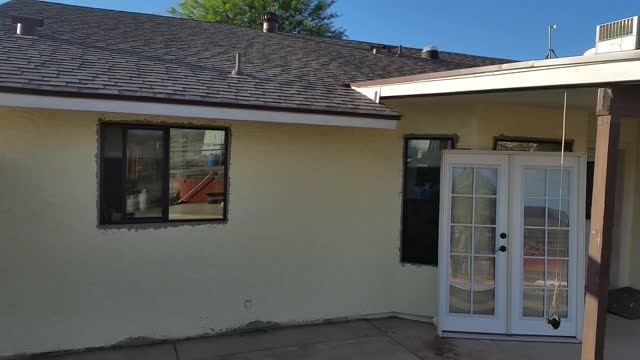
x=552 y=317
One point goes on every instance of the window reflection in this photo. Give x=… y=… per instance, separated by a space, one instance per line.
x=421 y=199
x=196 y=174
x=144 y=169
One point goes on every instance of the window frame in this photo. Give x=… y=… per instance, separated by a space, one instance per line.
x=166 y=129
x=524 y=139
x=405 y=150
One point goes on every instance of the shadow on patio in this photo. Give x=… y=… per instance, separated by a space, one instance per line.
x=387 y=338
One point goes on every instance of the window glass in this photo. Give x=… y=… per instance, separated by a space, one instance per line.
x=111 y=190
x=157 y=174
x=532 y=145
x=144 y=173
x=421 y=199
x=196 y=174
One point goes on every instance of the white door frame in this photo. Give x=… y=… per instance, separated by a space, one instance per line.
x=573 y=326
x=496 y=323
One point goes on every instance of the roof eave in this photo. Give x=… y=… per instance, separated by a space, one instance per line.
x=566 y=61
x=582 y=71
x=173 y=107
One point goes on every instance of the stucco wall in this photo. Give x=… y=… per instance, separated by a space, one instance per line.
x=313 y=231
x=311 y=235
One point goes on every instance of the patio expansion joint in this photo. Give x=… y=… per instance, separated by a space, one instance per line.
x=386 y=334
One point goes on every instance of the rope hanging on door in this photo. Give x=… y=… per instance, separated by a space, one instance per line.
x=553 y=318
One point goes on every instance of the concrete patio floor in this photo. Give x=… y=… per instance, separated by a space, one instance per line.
x=377 y=339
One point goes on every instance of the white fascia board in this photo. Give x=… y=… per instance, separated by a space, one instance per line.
x=196 y=111
x=555 y=76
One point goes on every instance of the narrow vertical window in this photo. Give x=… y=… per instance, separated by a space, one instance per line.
x=421 y=199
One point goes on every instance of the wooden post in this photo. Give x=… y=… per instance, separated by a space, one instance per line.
x=595 y=309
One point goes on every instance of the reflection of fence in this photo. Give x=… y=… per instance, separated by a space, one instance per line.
x=198 y=189
x=185 y=197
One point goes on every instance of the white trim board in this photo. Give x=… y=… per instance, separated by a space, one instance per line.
x=197 y=111
x=564 y=75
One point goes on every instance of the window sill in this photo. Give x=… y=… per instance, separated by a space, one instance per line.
x=408 y=263
x=161 y=224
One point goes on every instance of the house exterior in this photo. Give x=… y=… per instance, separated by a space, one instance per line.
x=151 y=194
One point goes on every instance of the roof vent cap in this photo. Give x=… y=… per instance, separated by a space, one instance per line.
x=431 y=52
x=27 y=25
x=270 y=22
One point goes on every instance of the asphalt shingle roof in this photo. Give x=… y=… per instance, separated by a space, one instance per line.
x=105 y=53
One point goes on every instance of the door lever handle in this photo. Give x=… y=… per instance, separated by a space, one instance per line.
x=502 y=248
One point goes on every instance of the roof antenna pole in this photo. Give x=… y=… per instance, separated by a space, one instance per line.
x=550 y=51
x=237 y=71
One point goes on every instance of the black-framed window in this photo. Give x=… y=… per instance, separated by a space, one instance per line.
x=153 y=174
x=421 y=198
x=504 y=143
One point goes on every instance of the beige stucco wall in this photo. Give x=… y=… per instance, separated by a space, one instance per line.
x=625 y=269
x=313 y=229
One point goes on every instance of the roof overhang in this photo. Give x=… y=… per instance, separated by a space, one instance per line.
x=190 y=110
x=570 y=72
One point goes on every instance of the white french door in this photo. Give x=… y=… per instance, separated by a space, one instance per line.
x=511 y=232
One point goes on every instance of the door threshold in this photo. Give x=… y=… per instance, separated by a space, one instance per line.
x=504 y=337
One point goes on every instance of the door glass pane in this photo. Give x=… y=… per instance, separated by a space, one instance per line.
x=484 y=240
x=534 y=242
x=486 y=181
x=485 y=211
x=533 y=302
x=461 y=239
x=562 y=301
x=461 y=209
x=462 y=179
x=557 y=272
x=558 y=213
x=460 y=271
x=460 y=299
x=144 y=173
x=553 y=189
x=196 y=174
x=535 y=182
x=484 y=270
x=483 y=300
x=473 y=203
x=533 y=272
x=548 y=209
x=534 y=212
x=558 y=243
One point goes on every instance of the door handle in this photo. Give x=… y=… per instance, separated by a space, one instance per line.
x=502 y=248
x=503 y=236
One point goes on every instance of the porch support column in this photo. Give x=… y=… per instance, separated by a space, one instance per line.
x=595 y=309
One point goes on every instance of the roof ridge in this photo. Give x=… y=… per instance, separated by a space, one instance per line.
x=326 y=40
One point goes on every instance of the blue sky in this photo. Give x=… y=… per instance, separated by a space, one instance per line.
x=502 y=28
